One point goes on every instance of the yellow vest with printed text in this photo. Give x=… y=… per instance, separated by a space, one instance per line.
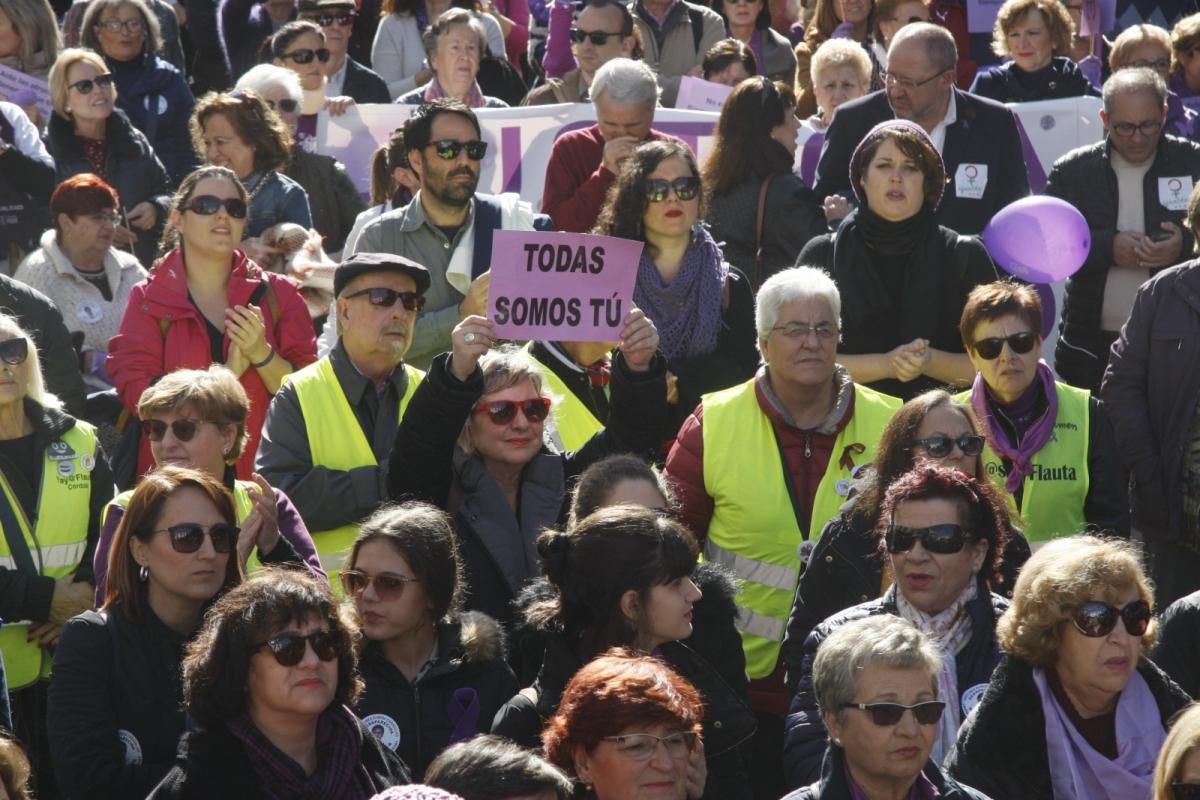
x=1053 y=497
x=57 y=541
x=336 y=441
x=574 y=424
x=754 y=531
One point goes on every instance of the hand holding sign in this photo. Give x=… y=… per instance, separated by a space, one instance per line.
x=639 y=341
x=470 y=339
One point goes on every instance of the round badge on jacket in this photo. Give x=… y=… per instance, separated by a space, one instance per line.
x=89 y=311
x=131 y=746
x=971 y=698
x=384 y=729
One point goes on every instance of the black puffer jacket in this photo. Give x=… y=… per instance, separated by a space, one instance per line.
x=1085 y=178
x=455 y=698
x=38 y=315
x=846 y=569
x=1177 y=651
x=833 y=784
x=805 y=737
x=1001 y=748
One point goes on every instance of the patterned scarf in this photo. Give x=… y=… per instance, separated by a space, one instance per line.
x=340 y=774
x=1020 y=453
x=950 y=630
x=474 y=98
x=687 y=311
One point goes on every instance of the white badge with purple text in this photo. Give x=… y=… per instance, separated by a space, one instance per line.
x=970 y=181
x=1173 y=193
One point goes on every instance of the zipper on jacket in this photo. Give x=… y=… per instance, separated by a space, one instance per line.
x=807 y=444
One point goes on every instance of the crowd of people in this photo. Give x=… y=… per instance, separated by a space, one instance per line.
x=285 y=516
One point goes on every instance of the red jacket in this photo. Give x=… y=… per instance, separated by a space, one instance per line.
x=140 y=353
x=577 y=180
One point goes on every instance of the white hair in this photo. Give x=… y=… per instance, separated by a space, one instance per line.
x=789 y=285
x=264 y=77
x=625 y=82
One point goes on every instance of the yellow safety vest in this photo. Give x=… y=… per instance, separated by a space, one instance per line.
x=754 y=531
x=1052 y=498
x=336 y=441
x=242 y=507
x=56 y=542
x=574 y=424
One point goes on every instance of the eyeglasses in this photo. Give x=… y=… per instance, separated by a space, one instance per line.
x=800 y=330
x=891 y=79
x=133 y=25
x=1185 y=791
x=105 y=218
x=502 y=412
x=643 y=746
x=388 y=586
x=939 y=445
x=325 y=20
x=306 y=55
x=1127 y=129
x=84 y=86
x=1095 y=618
x=183 y=428
x=387 y=298
x=886 y=715
x=598 y=38
x=14 y=351
x=448 y=149
x=207 y=205
x=287 y=105
x=941 y=539
x=1158 y=64
x=289 y=648
x=1020 y=343
x=686 y=188
x=186 y=537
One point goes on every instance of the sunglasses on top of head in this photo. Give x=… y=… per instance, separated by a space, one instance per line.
x=941 y=539
x=187 y=537
x=685 y=188
x=86 y=85
x=207 y=205
x=387 y=298
x=502 y=412
x=14 y=351
x=1021 y=343
x=288 y=648
x=1096 y=618
x=448 y=149
x=305 y=55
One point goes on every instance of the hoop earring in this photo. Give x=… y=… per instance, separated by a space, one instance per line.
x=144 y=573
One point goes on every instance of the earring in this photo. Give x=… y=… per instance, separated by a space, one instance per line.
x=144 y=573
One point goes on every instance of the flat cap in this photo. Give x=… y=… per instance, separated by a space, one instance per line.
x=362 y=263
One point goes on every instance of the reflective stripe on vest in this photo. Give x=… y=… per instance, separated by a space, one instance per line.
x=56 y=542
x=1053 y=497
x=574 y=424
x=336 y=441
x=753 y=519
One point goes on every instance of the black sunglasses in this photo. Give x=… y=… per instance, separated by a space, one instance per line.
x=14 y=351
x=598 y=38
x=186 y=537
x=886 y=715
x=84 y=86
x=941 y=539
x=1095 y=618
x=184 y=428
x=386 y=298
x=1185 y=791
x=287 y=105
x=1021 y=343
x=288 y=648
x=207 y=205
x=325 y=20
x=448 y=149
x=305 y=55
x=685 y=188
x=939 y=445
x=503 y=412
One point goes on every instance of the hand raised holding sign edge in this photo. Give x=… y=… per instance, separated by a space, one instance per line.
x=639 y=341
x=470 y=339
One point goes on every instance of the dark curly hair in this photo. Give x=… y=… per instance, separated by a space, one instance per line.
x=625 y=206
x=982 y=502
x=424 y=536
x=595 y=562
x=255 y=122
x=216 y=665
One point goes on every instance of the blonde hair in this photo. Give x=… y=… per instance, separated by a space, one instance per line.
x=59 y=88
x=1135 y=36
x=1185 y=37
x=35 y=23
x=1183 y=738
x=213 y=394
x=35 y=387
x=1056 y=580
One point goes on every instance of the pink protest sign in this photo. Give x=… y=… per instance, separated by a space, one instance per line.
x=572 y=287
x=701 y=95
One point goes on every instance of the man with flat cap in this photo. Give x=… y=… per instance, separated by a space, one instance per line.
x=330 y=427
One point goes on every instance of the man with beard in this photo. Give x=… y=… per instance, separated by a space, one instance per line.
x=330 y=427
x=447 y=226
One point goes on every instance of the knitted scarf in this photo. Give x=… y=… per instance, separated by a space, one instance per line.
x=340 y=774
x=686 y=311
x=1020 y=453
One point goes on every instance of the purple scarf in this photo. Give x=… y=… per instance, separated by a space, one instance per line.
x=687 y=311
x=474 y=98
x=1034 y=439
x=340 y=774
x=1078 y=772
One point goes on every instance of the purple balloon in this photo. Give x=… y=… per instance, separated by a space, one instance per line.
x=1038 y=239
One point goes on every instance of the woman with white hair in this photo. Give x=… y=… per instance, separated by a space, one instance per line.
x=398 y=54
x=454 y=46
x=876 y=682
